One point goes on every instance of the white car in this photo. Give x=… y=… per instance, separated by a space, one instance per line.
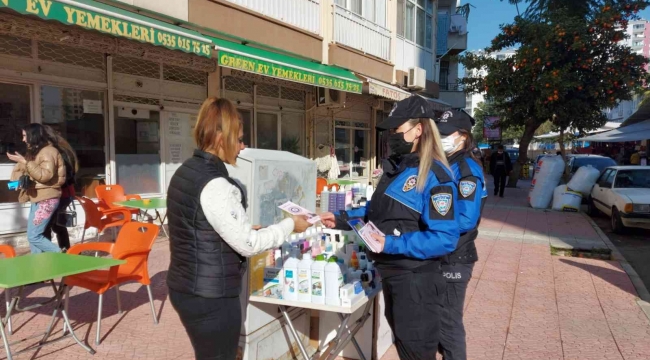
x=623 y=193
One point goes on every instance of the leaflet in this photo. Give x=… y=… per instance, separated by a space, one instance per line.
x=365 y=232
x=298 y=210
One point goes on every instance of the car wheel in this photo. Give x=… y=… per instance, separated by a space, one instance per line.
x=592 y=210
x=617 y=224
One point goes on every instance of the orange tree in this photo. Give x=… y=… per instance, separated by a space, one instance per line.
x=570 y=65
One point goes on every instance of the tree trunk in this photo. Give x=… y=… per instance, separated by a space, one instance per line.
x=529 y=132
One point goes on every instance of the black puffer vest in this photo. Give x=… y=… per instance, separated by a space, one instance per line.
x=202 y=263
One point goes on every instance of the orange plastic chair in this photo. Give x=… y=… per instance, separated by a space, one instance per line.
x=320 y=183
x=335 y=186
x=108 y=195
x=102 y=219
x=9 y=252
x=133 y=244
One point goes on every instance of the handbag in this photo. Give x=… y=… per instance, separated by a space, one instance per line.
x=67 y=217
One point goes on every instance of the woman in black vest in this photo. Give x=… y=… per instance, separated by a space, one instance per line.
x=211 y=236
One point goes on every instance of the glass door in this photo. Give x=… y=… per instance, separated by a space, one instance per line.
x=137 y=150
x=15 y=113
x=267 y=133
x=247 y=119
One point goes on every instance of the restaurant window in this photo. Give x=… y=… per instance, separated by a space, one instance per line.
x=78 y=116
x=292 y=133
x=352 y=149
x=15 y=113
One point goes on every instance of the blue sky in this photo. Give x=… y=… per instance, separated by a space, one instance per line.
x=487 y=15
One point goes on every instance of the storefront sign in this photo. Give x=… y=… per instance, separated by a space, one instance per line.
x=267 y=68
x=116 y=24
x=383 y=91
x=175 y=153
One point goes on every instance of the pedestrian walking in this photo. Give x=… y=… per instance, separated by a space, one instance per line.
x=458 y=266
x=42 y=173
x=211 y=236
x=500 y=168
x=58 y=222
x=415 y=206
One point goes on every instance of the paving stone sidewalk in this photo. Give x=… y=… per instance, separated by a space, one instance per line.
x=524 y=303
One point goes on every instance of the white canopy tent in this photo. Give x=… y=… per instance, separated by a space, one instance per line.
x=635 y=132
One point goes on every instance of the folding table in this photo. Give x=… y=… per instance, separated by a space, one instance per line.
x=29 y=269
x=145 y=205
x=344 y=335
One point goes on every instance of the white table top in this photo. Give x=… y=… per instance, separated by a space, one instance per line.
x=322 y=307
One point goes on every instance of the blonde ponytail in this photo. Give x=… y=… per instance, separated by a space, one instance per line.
x=429 y=148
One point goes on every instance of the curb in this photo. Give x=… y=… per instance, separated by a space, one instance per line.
x=642 y=291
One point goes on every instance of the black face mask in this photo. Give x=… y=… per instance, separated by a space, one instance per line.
x=398 y=145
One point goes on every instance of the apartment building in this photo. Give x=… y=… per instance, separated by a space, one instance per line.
x=473 y=100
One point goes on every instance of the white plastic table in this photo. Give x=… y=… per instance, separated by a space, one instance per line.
x=344 y=335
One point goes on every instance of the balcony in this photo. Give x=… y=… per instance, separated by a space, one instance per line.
x=454 y=94
x=358 y=33
x=303 y=14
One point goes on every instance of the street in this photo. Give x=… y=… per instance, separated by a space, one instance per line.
x=634 y=245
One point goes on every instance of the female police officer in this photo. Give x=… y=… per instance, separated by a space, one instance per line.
x=414 y=205
x=456 y=127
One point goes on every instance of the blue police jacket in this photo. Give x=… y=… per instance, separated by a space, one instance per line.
x=472 y=194
x=472 y=190
x=419 y=226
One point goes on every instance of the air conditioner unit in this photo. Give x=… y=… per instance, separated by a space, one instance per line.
x=330 y=97
x=455 y=28
x=417 y=78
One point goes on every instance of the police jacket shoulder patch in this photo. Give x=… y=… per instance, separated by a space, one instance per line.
x=410 y=183
x=442 y=203
x=467 y=188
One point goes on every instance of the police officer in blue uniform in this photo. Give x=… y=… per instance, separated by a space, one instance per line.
x=455 y=128
x=414 y=205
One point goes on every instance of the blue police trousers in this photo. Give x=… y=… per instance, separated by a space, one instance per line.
x=453 y=345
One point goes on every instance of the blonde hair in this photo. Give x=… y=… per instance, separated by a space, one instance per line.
x=218 y=117
x=429 y=148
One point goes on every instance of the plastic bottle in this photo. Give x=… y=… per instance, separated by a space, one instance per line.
x=277 y=255
x=304 y=278
x=354 y=260
x=331 y=203
x=286 y=250
x=356 y=192
x=340 y=199
x=316 y=250
x=290 y=276
x=318 y=282
x=348 y=198
x=333 y=282
x=363 y=261
x=324 y=199
x=369 y=191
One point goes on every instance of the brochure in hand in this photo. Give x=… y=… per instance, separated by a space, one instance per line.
x=365 y=232
x=294 y=209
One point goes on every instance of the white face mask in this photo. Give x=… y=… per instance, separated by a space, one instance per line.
x=449 y=144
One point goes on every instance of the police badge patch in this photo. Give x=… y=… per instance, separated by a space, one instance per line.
x=442 y=203
x=410 y=183
x=467 y=188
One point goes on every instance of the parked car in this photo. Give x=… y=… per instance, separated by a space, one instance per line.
x=575 y=161
x=623 y=193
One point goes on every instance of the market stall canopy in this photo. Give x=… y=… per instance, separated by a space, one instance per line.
x=111 y=20
x=267 y=63
x=607 y=127
x=641 y=114
x=379 y=88
x=634 y=132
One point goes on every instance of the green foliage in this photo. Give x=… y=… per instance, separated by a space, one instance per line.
x=567 y=69
x=291 y=144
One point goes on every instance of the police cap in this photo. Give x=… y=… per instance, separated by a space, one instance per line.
x=454 y=120
x=414 y=107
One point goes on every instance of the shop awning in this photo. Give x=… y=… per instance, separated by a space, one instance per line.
x=635 y=132
x=111 y=20
x=380 y=88
x=268 y=63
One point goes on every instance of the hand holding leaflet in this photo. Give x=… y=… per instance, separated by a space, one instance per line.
x=294 y=209
x=365 y=232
